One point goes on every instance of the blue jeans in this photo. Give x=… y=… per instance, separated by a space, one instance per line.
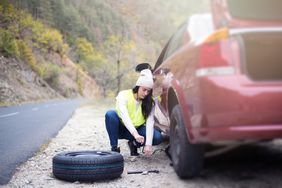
x=116 y=130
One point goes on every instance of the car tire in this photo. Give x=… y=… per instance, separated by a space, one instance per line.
x=187 y=158
x=87 y=165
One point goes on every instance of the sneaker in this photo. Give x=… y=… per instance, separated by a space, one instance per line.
x=116 y=149
x=132 y=148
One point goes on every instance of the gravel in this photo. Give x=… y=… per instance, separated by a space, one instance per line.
x=86 y=131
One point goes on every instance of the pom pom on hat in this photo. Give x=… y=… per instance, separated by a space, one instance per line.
x=145 y=79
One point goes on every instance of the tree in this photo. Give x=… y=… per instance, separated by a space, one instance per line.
x=117 y=47
x=4 y=4
x=45 y=11
x=93 y=62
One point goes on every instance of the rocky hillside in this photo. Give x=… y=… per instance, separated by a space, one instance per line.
x=19 y=84
x=34 y=62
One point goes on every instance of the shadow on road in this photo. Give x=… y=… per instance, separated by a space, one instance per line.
x=248 y=164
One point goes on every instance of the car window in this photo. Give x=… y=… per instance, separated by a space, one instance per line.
x=161 y=57
x=199 y=25
x=256 y=9
x=176 y=41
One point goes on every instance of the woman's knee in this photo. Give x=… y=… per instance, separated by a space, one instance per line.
x=111 y=119
x=111 y=114
x=157 y=138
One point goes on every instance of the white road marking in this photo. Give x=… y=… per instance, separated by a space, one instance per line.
x=35 y=109
x=7 y=115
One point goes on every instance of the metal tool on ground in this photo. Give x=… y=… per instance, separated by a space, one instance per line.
x=143 y=172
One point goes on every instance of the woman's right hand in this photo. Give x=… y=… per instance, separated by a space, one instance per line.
x=138 y=138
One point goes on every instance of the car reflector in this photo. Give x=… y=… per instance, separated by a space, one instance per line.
x=217 y=71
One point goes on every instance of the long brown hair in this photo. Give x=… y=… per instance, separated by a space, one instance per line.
x=147 y=103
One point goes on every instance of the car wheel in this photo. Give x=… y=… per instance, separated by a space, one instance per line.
x=187 y=158
x=87 y=165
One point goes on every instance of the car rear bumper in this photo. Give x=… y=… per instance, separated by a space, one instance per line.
x=235 y=108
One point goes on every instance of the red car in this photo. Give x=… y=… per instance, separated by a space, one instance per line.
x=220 y=80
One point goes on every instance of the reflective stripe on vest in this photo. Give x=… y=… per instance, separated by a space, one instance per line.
x=135 y=115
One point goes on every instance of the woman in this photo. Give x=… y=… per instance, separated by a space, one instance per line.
x=133 y=118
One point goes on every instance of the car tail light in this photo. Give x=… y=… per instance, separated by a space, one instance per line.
x=217 y=55
x=217 y=36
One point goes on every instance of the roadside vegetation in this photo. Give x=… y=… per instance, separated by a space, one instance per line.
x=103 y=39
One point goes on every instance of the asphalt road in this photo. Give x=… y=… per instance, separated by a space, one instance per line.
x=24 y=129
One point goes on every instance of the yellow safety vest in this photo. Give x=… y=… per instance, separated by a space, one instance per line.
x=135 y=115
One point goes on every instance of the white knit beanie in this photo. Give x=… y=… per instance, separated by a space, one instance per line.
x=145 y=79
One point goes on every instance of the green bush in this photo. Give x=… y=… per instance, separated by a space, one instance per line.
x=48 y=40
x=8 y=44
x=51 y=73
x=52 y=40
x=79 y=81
x=27 y=55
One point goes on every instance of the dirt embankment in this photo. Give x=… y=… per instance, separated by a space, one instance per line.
x=19 y=84
x=251 y=166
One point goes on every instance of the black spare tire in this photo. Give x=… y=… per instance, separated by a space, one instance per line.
x=87 y=165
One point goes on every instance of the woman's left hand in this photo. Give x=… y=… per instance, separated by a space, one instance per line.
x=148 y=150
